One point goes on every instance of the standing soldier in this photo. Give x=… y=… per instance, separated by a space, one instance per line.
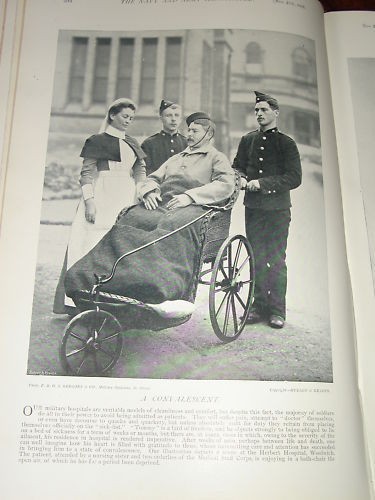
x=269 y=164
x=168 y=142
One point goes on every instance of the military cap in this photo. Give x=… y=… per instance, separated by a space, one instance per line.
x=164 y=105
x=259 y=96
x=199 y=115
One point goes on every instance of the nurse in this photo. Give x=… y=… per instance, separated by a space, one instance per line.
x=113 y=165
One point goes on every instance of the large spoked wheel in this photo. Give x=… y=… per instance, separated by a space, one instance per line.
x=231 y=288
x=91 y=344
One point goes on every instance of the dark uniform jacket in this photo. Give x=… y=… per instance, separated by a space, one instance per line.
x=161 y=146
x=273 y=159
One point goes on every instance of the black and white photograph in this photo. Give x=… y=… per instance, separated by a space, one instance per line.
x=182 y=228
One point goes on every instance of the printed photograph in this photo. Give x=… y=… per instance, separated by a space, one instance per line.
x=362 y=82
x=182 y=229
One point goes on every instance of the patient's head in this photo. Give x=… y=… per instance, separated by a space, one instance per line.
x=201 y=129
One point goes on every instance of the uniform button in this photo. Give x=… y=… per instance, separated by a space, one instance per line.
x=264 y=137
x=269 y=192
x=172 y=150
x=261 y=171
x=171 y=140
x=274 y=191
x=268 y=265
x=262 y=147
x=260 y=159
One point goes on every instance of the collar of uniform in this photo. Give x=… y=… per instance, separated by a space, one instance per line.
x=202 y=150
x=269 y=131
x=115 y=132
x=169 y=135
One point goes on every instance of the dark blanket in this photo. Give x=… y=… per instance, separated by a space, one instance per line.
x=166 y=270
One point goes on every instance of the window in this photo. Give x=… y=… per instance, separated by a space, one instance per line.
x=172 y=74
x=253 y=53
x=148 y=70
x=102 y=54
x=301 y=62
x=238 y=116
x=206 y=77
x=254 y=59
x=306 y=128
x=77 y=69
x=125 y=67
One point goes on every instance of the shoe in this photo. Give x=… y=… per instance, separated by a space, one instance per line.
x=276 y=321
x=253 y=317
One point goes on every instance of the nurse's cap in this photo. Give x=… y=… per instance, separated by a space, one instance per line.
x=199 y=115
x=164 y=105
x=259 y=96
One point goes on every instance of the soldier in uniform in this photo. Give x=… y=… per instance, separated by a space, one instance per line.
x=168 y=142
x=269 y=164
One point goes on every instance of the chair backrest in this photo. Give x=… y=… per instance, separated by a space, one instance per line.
x=218 y=226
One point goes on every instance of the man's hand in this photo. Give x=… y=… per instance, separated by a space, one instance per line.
x=90 y=210
x=179 y=201
x=253 y=185
x=151 y=200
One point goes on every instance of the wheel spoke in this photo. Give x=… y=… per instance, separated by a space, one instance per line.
x=247 y=258
x=222 y=302
x=110 y=337
x=230 y=266
x=81 y=365
x=238 y=251
x=222 y=269
x=240 y=299
x=226 y=318
x=234 y=312
x=246 y=282
x=76 y=336
x=108 y=353
x=76 y=351
x=101 y=326
x=96 y=363
x=223 y=289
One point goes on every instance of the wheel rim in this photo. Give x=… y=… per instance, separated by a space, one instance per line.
x=231 y=288
x=91 y=344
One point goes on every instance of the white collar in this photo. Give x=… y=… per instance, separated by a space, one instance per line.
x=115 y=132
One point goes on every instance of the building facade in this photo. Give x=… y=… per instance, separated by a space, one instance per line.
x=281 y=65
x=210 y=70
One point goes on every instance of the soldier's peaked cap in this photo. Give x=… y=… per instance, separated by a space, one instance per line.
x=260 y=96
x=164 y=105
x=199 y=115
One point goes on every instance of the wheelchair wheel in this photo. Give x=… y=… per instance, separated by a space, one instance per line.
x=231 y=288
x=91 y=344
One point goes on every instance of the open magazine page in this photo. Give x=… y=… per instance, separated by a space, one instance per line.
x=191 y=409
x=351 y=42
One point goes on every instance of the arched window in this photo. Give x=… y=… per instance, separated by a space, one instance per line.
x=301 y=62
x=253 y=53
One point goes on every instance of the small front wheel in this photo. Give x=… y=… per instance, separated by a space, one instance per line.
x=231 y=288
x=91 y=344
